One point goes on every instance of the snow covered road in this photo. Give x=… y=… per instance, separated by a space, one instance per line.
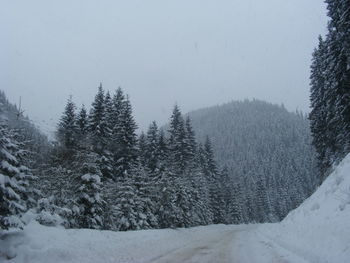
x=216 y=247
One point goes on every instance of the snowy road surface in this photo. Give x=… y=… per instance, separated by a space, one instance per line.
x=237 y=244
x=213 y=248
x=216 y=243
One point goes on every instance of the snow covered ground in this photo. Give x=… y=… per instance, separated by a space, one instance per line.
x=317 y=231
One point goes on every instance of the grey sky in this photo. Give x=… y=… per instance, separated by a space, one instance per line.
x=194 y=52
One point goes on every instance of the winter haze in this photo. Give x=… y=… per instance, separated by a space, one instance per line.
x=196 y=53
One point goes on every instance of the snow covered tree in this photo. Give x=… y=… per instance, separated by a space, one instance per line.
x=211 y=172
x=177 y=141
x=142 y=145
x=163 y=151
x=262 y=202
x=318 y=115
x=202 y=213
x=147 y=191
x=115 y=120
x=124 y=210
x=209 y=157
x=89 y=199
x=152 y=150
x=109 y=116
x=168 y=211
x=198 y=181
x=17 y=194
x=100 y=133
x=67 y=127
x=82 y=121
x=97 y=122
x=118 y=103
x=233 y=206
x=181 y=168
x=190 y=141
x=126 y=153
x=134 y=209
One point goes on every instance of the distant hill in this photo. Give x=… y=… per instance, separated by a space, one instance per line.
x=267 y=151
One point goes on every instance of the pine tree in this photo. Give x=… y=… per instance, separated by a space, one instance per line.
x=262 y=203
x=190 y=141
x=199 y=186
x=211 y=172
x=183 y=202
x=200 y=197
x=100 y=133
x=163 y=150
x=227 y=195
x=97 y=124
x=152 y=151
x=234 y=206
x=115 y=119
x=142 y=145
x=82 y=123
x=209 y=157
x=134 y=208
x=126 y=154
x=146 y=189
x=179 y=163
x=318 y=114
x=109 y=117
x=177 y=141
x=17 y=194
x=167 y=209
x=67 y=127
x=90 y=202
x=124 y=210
x=118 y=103
x=106 y=156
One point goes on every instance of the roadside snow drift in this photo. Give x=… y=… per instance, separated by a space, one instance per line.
x=319 y=230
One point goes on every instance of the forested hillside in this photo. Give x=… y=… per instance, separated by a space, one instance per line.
x=266 y=152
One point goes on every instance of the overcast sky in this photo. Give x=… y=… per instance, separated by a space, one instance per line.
x=194 y=52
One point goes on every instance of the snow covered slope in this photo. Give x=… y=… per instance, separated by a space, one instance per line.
x=319 y=230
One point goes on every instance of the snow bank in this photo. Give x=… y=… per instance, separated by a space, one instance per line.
x=319 y=230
